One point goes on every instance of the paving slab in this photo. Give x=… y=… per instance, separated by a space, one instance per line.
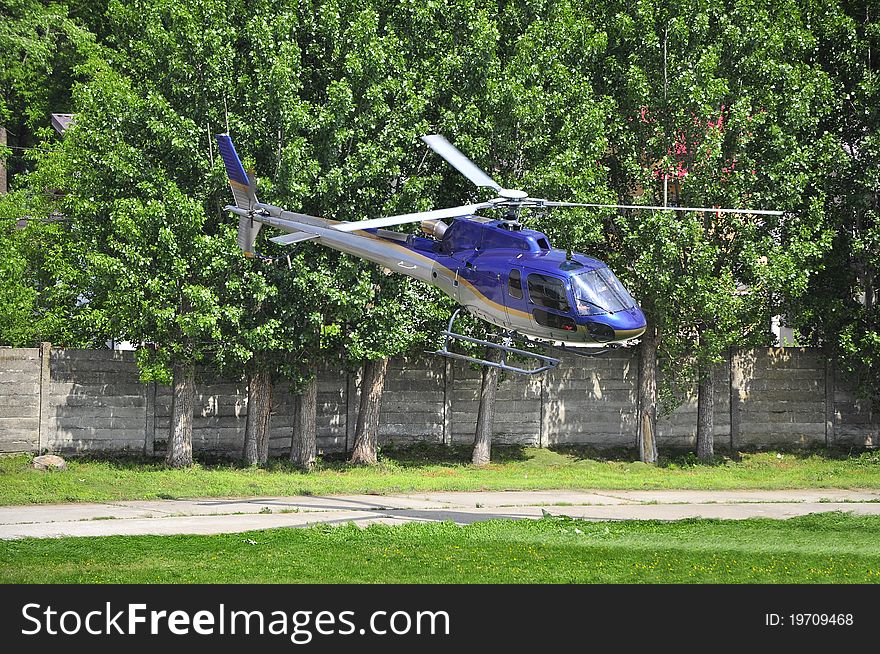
x=737 y=496
x=235 y=515
x=777 y=510
x=522 y=498
x=210 y=524
x=220 y=506
x=53 y=512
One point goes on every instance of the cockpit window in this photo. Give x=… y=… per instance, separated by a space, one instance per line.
x=599 y=291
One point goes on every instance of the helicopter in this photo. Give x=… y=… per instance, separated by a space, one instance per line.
x=498 y=270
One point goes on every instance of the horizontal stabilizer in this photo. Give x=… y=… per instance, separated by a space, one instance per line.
x=295 y=237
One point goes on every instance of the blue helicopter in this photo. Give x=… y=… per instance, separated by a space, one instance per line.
x=496 y=269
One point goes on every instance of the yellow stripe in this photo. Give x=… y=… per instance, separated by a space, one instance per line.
x=622 y=334
x=239 y=185
x=432 y=262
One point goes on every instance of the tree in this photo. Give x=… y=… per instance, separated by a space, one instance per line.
x=392 y=325
x=18 y=295
x=39 y=50
x=133 y=194
x=769 y=57
x=840 y=312
x=285 y=321
x=368 y=103
x=144 y=193
x=347 y=157
x=706 y=91
x=529 y=117
x=741 y=105
x=303 y=446
x=482 y=453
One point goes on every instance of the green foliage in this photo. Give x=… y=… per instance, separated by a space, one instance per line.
x=42 y=301
x=826 y=548
x=40 y=48
x=762 y=104
x=18 y=296
x=438 y=468
x=149 y=265
x=840 y=310
x=727 y=101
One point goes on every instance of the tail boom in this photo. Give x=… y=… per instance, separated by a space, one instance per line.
x=350 y=238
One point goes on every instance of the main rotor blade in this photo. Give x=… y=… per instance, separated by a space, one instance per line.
x=456 y=158
x=763 y=212
x=551 y=203
x=437 y=214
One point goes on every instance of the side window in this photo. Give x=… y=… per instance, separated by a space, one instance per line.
x=546 y=291
x=554 y=320
x=514 y=284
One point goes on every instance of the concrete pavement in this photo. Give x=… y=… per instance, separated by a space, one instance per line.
x=233 y=515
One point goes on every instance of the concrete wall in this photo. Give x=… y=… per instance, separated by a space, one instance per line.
x=91 y=400
x=20 y=393
x=782 y=390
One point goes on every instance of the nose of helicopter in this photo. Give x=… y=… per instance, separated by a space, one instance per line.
x=626 y=325
x=629 y=324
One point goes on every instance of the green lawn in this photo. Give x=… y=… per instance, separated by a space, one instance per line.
x=824 y=548
x=433 y=468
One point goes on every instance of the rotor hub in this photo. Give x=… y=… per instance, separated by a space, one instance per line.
x=512 y=194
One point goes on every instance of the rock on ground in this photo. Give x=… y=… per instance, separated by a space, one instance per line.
x=49 y=462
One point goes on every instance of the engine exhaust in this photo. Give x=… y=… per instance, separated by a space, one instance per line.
x=434 y=227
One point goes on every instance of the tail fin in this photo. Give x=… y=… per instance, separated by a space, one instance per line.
x=244 y=190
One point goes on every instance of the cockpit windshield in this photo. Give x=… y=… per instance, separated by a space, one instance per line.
x=599 y=291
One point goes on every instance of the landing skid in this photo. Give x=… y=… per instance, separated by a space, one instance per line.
x=586 y=352
x=543 y=362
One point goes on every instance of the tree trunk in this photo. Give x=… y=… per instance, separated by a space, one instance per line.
x=706 y=414
x=303 y=447
x=265 y=419
x=3 y=186
x=647 y=428
x=256 y=430
x=366 y=435
x=486 y=413
x=182 y=400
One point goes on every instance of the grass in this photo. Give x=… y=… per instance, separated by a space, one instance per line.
x=434 y=468
x=819 y=548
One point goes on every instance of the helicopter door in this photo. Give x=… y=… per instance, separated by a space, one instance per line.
x=472 y=287
x=514 y=299
x=549 y=306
